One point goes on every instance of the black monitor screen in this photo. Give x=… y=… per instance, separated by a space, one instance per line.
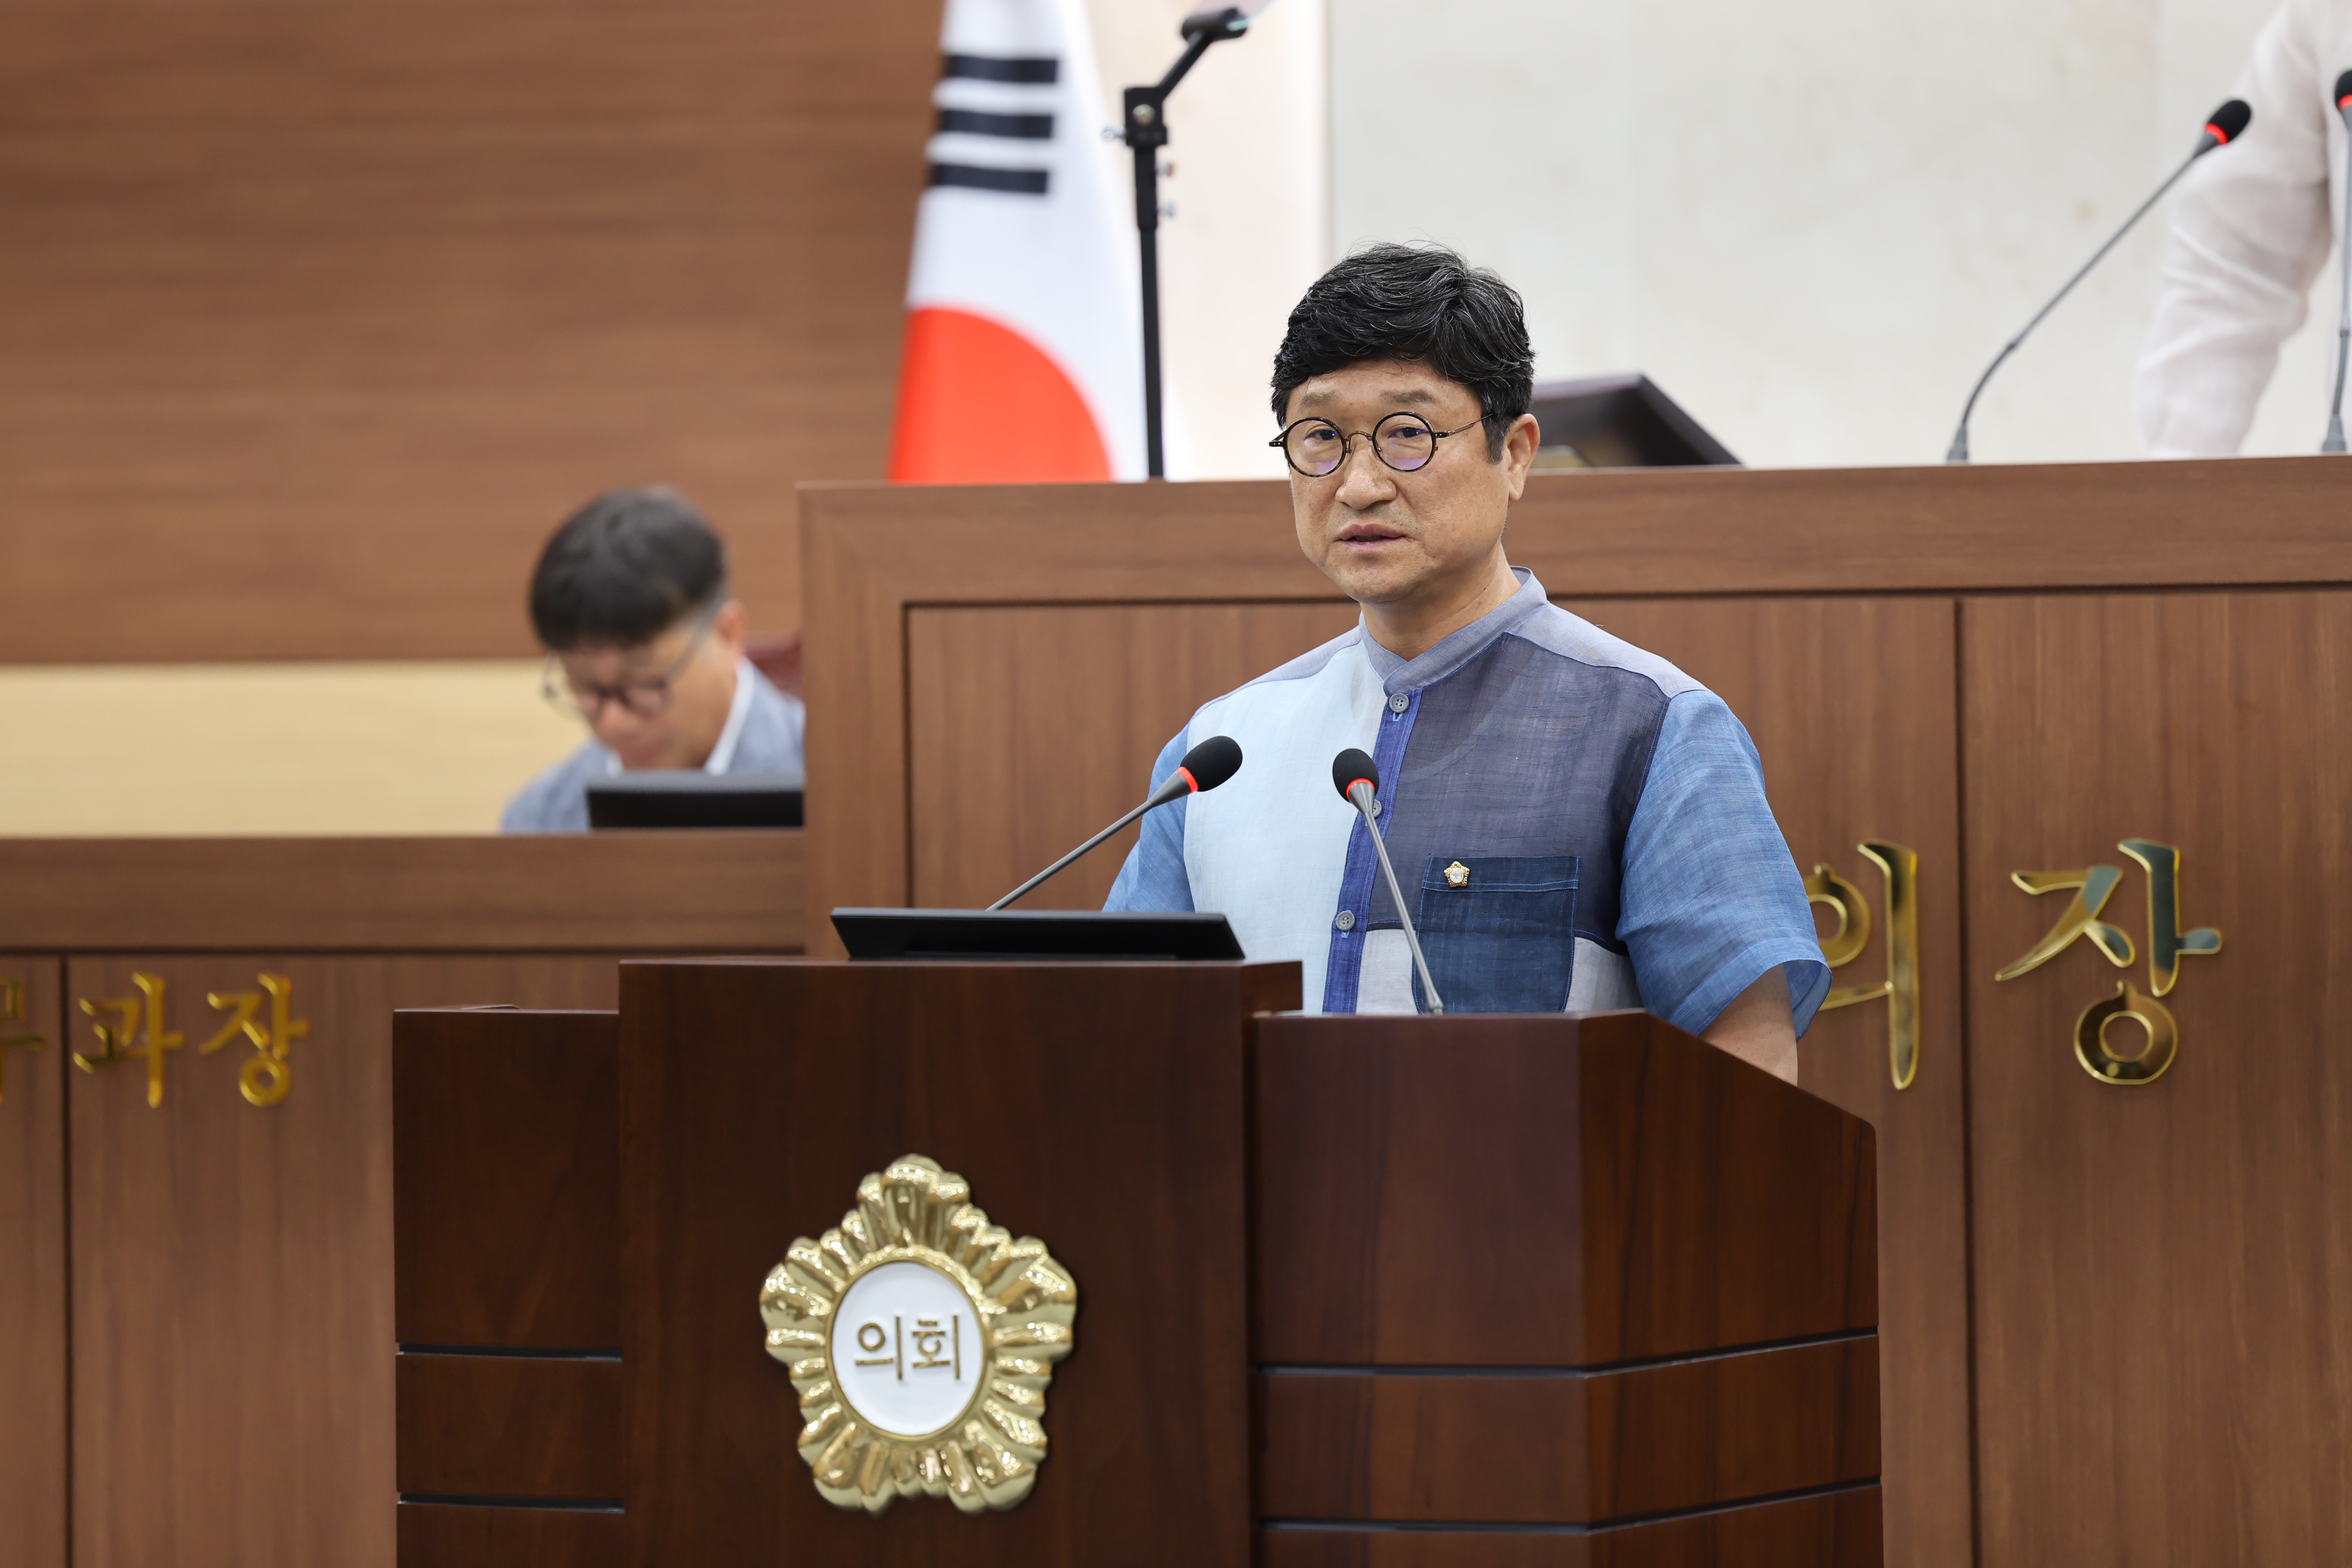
x=1034 y=934
x=691 y=798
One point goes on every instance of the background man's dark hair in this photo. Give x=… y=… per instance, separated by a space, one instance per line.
x=626 y=568
x=1416 y=302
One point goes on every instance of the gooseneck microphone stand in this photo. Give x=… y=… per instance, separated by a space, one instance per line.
x=2228 y=123
x=1145 y=132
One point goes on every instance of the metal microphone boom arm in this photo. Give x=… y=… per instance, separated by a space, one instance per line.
x=2335 y=442
x=1145 y=130
x=1357 y=779
x=2229 y=122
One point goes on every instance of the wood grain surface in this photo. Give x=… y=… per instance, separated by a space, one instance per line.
x=1851 y=704
x=1622 y=532
x=875 y=554
x=510 y=1426
x=1839 y=1530
x=458 y=1536
x=34 y=1333
x=233 y=1395
x=1501 y=1447
x=2165 y=1360
x=1666 y=1197
x=1098 y=1107
x=1032 y=727
x=337 y=313
x=611 y=891
x=506 y=1181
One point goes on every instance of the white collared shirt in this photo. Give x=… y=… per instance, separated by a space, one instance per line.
x=722 y=755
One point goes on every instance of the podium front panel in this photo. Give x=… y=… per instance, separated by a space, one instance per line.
x=1554 y=1289
x=1098 y=1107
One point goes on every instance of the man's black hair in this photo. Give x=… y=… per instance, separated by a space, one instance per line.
x=626 y=568
x=1417 y=303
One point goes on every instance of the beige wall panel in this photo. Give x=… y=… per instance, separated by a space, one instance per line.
x=2164 y=1348
x=427 y=746
x=1032 y=726
x=232 y=1271
x=32 y=1321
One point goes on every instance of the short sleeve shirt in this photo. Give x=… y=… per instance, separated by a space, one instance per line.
x=1577 y=823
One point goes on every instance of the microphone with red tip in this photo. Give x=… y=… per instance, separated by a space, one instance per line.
x=1358 y=778
x=2227 y=124
x=1205 y=766
x=2335 y=441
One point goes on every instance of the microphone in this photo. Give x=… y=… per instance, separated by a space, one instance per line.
x=2335 y=442
x=1205 y=766
x=1357 y=779
x=2228 y=123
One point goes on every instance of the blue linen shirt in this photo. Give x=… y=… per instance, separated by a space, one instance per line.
x=1603 y=814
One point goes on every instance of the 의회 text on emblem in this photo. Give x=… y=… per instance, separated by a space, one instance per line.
x=922 y=1339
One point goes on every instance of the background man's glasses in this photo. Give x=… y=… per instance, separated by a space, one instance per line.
x=1316 y=447
x=584 y=700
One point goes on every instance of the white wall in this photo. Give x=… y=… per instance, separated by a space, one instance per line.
x=1249 y=140
x=1813 y=222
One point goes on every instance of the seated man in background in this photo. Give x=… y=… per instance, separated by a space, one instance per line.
x=1581 y=824
x=645 y=646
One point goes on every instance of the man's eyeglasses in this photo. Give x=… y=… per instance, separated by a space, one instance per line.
x=584 y=700
x=1316 y=447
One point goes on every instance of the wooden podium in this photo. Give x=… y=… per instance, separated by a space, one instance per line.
x=1398 y=1292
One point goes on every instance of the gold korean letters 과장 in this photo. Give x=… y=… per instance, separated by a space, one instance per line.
x=142 y=1030
x=922 y=1339
x=2092 y=886
x=1899 y=867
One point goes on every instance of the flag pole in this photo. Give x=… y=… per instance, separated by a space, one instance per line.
x=1145 y=132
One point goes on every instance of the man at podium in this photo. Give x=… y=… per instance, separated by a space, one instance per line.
x=1585 y=824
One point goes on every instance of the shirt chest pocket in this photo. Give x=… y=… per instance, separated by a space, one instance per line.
x=1499 y=932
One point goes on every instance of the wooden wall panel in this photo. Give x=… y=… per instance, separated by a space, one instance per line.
x=874 y=552
x=33 y=1301
x=2163 y=1271
x=1851 y=705
x=1837 y=1530
x=620 y=892
x=324 y=316
x=510 y=1426
x=505 y=1131
x=1032 y=726
x=441 y=1536
x=231 y=1269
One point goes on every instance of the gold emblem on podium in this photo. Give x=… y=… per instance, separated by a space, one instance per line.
x=922 y=1339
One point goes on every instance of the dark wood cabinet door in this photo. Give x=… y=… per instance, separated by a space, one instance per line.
x=233 y=1395
x=2163 y=1269
x=1851 y=704
x=33 y=1338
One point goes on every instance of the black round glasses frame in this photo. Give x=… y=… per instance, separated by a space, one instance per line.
x=1371 y=437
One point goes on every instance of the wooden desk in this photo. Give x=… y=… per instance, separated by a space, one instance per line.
x=1308 y=1333
x=196 y=1306
x=2109 y=1318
